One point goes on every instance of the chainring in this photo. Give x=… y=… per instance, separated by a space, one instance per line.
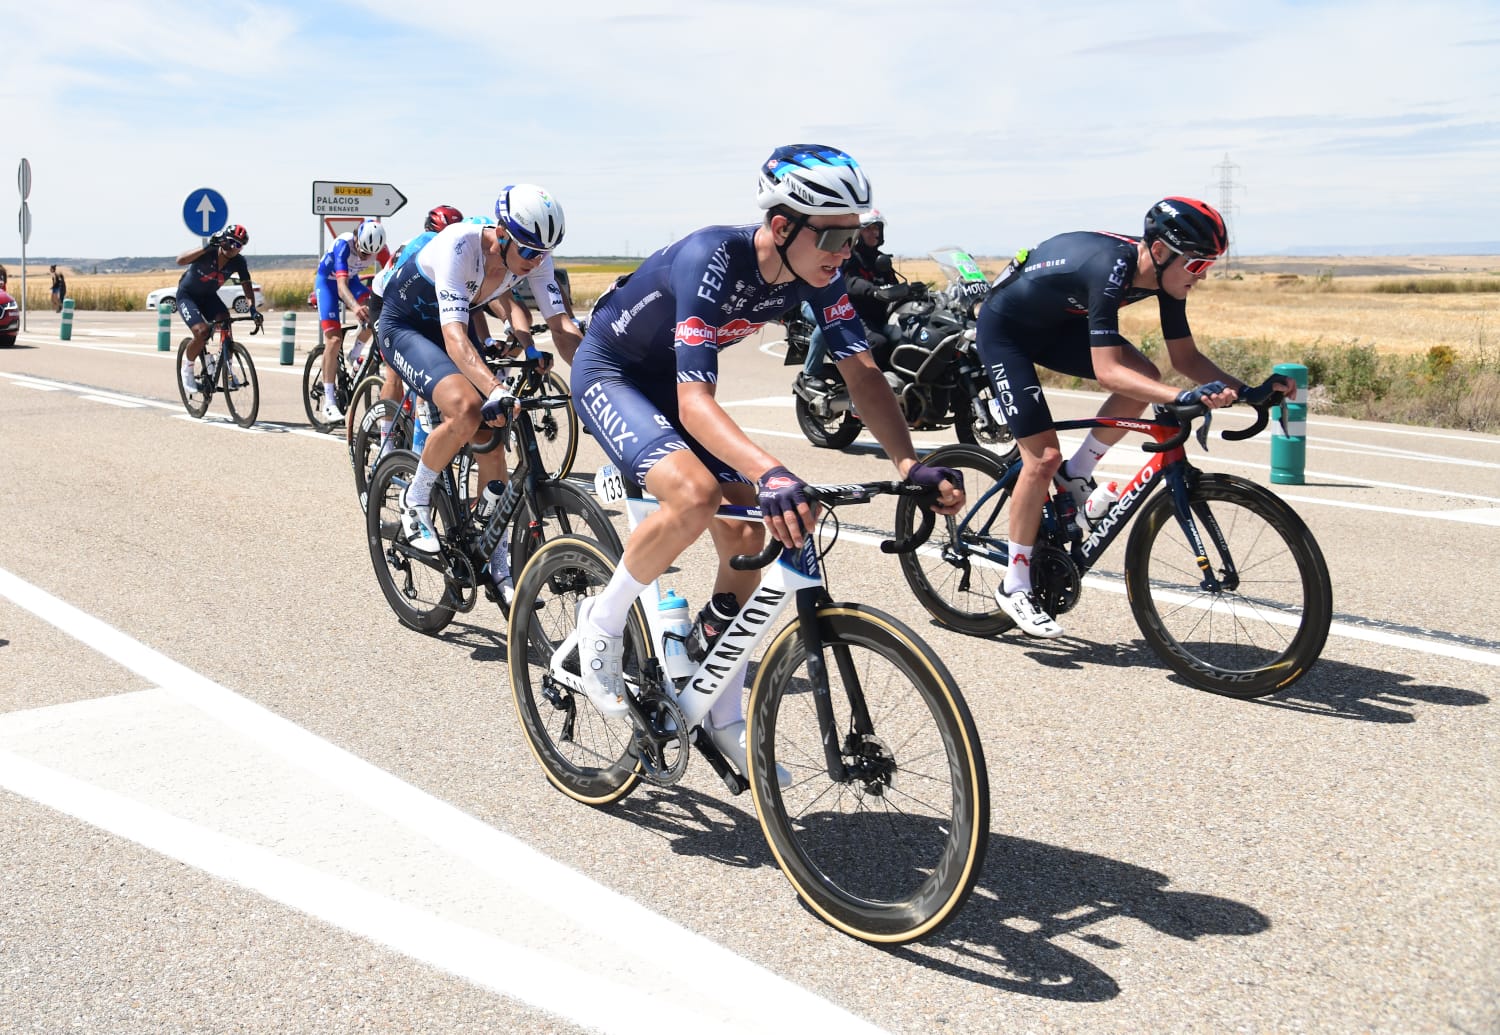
x=1055 y=580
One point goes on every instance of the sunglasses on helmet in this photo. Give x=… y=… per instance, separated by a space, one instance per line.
x=1197 y=265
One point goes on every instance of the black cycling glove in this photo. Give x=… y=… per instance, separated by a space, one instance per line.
x=932 y=477
x=781 y=492
x=1192 y=395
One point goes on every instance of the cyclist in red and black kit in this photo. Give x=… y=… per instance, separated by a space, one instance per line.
x=198 y=301
x=1058 y=307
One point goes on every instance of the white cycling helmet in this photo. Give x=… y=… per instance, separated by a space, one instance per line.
x=370 y=237
x=530 y=216
x=871 y=218
x=814 y=180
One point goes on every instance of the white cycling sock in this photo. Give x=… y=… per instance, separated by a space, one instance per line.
x=419 y=492
x=1018 y=575
x=1082 y=463
x=612 y=607
x=385 y=430
x=330 y=393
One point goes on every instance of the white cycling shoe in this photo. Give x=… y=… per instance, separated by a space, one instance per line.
x=1029 y=618
x=599 y=665
x=329 y=413
x=731 y=744
x=189 y=381
x=416 y=523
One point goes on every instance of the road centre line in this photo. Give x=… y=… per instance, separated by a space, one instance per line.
x=690 y=983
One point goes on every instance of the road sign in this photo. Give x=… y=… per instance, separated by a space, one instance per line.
x=25 y=224
x=23 y=178
x=205 y=211
x=332 y=198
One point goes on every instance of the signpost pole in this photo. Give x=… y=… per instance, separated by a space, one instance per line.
x=23 y=177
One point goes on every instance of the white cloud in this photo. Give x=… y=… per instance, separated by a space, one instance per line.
x=981 y=124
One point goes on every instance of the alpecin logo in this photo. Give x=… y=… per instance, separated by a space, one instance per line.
x=694 y=331
x=840 y=310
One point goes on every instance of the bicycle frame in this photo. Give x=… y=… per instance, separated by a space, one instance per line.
x=1169 y=467
x=796 y=575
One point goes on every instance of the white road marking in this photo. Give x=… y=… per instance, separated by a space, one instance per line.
x=249 y=797
x=128 y=404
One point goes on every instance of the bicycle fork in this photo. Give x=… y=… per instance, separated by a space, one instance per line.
x=1185 y=510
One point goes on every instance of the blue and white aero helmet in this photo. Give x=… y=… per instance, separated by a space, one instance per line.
x=370 y=237
x=530 y=216
x=814 y=180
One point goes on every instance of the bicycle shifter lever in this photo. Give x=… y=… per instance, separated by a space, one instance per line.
x=1208 y=418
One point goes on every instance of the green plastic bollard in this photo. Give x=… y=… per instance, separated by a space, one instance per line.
x=1289 y=450
x=163 y=327
x=288 y=338
x=67 y=320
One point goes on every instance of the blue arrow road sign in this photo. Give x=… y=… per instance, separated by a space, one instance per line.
x=205 y=211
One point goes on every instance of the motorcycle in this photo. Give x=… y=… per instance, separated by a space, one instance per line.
x=931 y=365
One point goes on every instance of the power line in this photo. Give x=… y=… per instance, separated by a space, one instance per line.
x=1225 y=171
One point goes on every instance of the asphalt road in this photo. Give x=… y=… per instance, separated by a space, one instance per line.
x=236 y=796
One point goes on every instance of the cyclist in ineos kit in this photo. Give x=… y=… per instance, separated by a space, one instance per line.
x=425 y=335
x=1058 y=307
x=198 y=301
x=645 y=382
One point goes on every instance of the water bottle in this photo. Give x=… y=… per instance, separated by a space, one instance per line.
x=710 y=625
x=488 y=501
x=676 y=626
x=1100 y=500
x=422 y=424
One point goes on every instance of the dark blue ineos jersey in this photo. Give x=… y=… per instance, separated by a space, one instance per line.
x=1064 y=303
x=203 y=277
x=666 y=324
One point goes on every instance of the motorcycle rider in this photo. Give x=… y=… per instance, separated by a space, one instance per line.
x=1058 y=307
x=870 y=276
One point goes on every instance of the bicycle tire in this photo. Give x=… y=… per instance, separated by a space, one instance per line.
x=238 y=377
x=891 y=853
x=361 y=398
x=312 y=388
x=556 y=431
x=418 y=593
x=835 y=432
x=558 y=509
x=1234 y=644
x=582 y=754
x=196 y=403
x=365 y=454
x=956 y=574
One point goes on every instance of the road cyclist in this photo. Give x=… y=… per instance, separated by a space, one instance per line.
x=1057 y=306
x=198 y=301
x=432 y=327
x=645 y=379
x=337 y=283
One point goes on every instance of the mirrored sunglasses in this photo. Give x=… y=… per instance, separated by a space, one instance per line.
x=1197 y=265
x=529 y=253
x=835 y=238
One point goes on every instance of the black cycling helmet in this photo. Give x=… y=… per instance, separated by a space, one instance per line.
x=443 y=215
x=236 y=233
x=1189 y=226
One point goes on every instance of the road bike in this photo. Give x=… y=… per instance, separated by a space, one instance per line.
x=427 y=590
x=347 y=375
x=1224 y=578
x=883 y=827
x=227 y=369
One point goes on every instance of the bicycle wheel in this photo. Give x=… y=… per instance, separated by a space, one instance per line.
x=558 y=509
x=312 y=388
x=956 y=574
x=367 y=444
x=1266 y=625
x=556 y=432
x=890 y=848
x=414 y=583
x=584 y=755
x=196 y=403
x=361 y=398
x=241 y=385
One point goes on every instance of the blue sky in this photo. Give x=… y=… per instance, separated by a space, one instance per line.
x=983 y=124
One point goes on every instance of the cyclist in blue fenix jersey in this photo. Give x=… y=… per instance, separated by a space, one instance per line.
x=1058 y=307
x=434 y=314
x=198 y=301
x=645 y=382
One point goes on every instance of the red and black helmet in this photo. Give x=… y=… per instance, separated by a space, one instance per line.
x=1189 y=226
x=443 y=215
x=236 y=233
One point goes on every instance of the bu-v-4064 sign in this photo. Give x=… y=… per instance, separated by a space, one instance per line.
x=337 y=198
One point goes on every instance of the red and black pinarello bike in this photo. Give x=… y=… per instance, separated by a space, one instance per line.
x=226 y=368
x=1225 y=580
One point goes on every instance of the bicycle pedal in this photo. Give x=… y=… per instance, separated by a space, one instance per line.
x=733 y=781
